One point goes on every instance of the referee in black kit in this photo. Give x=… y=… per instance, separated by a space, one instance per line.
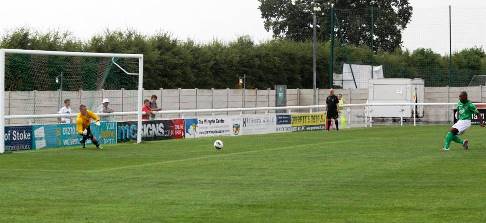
x=332 y=102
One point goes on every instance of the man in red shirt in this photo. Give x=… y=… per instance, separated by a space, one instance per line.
x=146 y=110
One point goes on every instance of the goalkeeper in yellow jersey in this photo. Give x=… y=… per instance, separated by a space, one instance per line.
x=83 y=122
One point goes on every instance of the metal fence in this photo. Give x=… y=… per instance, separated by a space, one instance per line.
x=358 y=36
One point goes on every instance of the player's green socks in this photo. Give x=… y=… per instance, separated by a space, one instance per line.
x=449 y=137
x=458 y=140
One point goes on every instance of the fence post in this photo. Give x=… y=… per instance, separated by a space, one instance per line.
x=179 y=92
x=35 y=100
x=268 y=99
x=196 y=101
x=35 y=104
x=179 y=98
x=80 y=97
x=244 y=98
x=448 y=106
x=414 y=116
x=9 y=104
x=122 y=101
x=59 y=100
x=227 y=101
x=161 y=99
x=62 y=99
x=212 y=100
x=481 y=92
x=298 y=98
x=256 y=99
x=350 y=96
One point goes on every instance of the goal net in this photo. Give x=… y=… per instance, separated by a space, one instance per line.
x=37 y=84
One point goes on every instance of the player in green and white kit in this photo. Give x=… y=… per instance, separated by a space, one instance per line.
x=465 y=111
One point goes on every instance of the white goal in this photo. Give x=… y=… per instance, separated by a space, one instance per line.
x=34 y=85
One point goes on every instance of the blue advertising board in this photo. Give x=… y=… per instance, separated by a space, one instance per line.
x=18 y=138
x=105 y=133
x=284 y=119
x=127 y=131
x=284 y=123
x=60 y=135
x=190 y=126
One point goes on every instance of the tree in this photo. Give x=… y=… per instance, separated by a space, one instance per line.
x=355 y=21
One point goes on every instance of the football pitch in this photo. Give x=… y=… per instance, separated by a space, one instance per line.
x=383 y=174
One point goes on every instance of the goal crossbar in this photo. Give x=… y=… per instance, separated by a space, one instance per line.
x=70 y=54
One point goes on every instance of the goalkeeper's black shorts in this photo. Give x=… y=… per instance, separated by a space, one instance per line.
x=89 y=134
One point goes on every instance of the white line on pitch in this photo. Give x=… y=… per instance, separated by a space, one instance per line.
x=210 y=156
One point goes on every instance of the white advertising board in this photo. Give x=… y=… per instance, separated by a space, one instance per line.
x=254 y=124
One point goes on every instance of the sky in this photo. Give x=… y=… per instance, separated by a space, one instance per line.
x=225 y=20
x=429 y=27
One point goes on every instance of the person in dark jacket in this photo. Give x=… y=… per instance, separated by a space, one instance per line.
x=332 y=102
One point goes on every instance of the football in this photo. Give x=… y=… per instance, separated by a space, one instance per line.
x=218 y=144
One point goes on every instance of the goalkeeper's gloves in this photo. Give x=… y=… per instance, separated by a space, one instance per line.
x=97 y=123
x=85 y=132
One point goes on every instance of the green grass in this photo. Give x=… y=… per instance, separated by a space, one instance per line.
x=360 y=175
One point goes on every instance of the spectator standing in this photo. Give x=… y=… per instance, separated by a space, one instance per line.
x=105 y=108
x=146 y=110
x=66 y=110
x=341 y=109
x=153 y=106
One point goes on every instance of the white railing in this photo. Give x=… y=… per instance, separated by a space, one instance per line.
x=312 y=108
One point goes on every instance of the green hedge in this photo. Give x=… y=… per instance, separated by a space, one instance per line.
x=171 y=63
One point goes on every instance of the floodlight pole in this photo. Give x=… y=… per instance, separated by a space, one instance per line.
x=372 y=41
x=2 y=101
x=450 y=46
x=314 y=56
x=331 y=53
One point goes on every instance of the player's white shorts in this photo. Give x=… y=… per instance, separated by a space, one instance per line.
x=462 y=125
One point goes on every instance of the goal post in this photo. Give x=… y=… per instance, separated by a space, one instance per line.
x=2 y=101
x=33 y=72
